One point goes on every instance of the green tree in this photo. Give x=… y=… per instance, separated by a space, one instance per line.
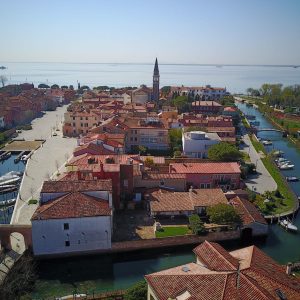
x=142 y=149
x=64 y=87
x=223 y=214
x=175 y=138
x=224 y=152
x=137 y=292
x=181 y=102
x=54 y=86
x=196 y=224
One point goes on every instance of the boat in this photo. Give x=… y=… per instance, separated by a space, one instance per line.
x=278 y=153
x=292 y=178
x=288 y=225
x=24 y=158
x=5 y=156
x=9 y=190
x=8 y=187
x=8 y=202
x=267 y=143
x=254 y=123
x=286 y=167
x=10 y=175
x=10 y=181
x=281 y=160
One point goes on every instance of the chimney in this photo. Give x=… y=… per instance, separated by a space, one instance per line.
x=289 y=268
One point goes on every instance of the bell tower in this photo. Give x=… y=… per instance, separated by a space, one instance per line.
x=155 y=91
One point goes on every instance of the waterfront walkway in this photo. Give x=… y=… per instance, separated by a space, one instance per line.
x=45 y=161
x=262 y=181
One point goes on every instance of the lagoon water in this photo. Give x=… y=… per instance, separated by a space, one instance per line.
x=235 y=78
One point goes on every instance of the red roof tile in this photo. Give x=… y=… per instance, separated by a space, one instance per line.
x=74 y=186
x=72 y=205
x=258 y=278
x=206 y=168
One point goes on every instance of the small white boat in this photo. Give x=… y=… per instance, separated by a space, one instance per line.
x=7 y=186
x=10 y=175
x=24 y=158
x=278 y=153
x=10 y=181
x=281 y=159
x=267 y=143
x=8 y=202
x=286 y=167
x=288 y=225
x=292 y=178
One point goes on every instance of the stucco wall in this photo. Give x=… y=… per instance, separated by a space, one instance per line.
x=84 y=234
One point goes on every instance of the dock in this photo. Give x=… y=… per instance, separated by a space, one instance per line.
x=22 y=145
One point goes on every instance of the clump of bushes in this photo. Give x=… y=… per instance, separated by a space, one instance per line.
x=196 y=225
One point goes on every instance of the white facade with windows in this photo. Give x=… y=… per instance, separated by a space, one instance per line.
x=196 y=143
x=61 y=236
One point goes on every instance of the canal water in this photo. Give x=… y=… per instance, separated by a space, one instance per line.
x=101 y=273
x=5 y=167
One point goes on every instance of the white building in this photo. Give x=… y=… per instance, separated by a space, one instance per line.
x=196 y=143
x=141 y=95
x=74 y=217
x=205 y=93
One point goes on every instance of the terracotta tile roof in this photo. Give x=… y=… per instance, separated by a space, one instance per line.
x=215 y=257
x=206 y=168
x=206 y=103
x=248 y=212
x=74 y=186
x=181 y=201
x=259 y=276
x=155 y=176
x=92 y=148
x=72 y=205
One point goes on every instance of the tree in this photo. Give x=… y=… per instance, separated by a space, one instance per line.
x=43 y=86
x=175 y=138
x=64 y=87
x=55 y=86
x=224 y=152
x=137 y=292
x=223 y=214
x=3 y=80
x=142 y=149
x=196 y=224
x=181 y=102
x=149 y=162
x=177 y=153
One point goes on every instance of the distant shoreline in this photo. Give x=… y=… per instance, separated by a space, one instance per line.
x=151 y=63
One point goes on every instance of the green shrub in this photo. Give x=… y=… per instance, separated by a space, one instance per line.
x=196 y=224
x=32 y=201
x=137 y=292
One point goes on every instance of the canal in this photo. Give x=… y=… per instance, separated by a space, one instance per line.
x=101 y=273
x=5 y=167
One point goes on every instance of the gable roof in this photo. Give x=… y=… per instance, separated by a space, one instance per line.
x=72 y=205
x=217 y=276
x=206 y=168
x=248 y=212
x=66 y=186
x=182 y=201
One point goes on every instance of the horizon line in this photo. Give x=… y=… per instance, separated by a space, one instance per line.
x=148 y=63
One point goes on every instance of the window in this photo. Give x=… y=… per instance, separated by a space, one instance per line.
x=86 y=118
x=135 y=139
x=66 y=226
x=80 y=118
x=125 y=183
x=73 y=124
x=73 y=118
x=81 y=124
x=67 y=243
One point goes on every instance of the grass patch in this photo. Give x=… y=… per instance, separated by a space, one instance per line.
x=172 y=231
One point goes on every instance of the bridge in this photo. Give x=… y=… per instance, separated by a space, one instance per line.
x=270 y=129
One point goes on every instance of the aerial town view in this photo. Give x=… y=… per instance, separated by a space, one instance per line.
x=150 y=150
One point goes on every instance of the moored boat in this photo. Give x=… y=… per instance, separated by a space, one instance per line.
x=292 y=178
x=286 y=167
x=8 y=202
x=288 y=225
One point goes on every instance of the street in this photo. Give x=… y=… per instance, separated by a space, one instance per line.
x=262 y=181
x=44 y=162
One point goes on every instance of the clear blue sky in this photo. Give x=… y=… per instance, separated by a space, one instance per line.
x=176 y=31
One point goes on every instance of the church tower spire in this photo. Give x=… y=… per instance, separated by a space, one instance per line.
x=156 y=82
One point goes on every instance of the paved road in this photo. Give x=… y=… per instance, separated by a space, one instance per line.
x=263 y=181
x=43 y=163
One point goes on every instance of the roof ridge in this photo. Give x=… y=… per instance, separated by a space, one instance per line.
x=211 y=245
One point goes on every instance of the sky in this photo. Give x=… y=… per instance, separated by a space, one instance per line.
x=136 y=31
